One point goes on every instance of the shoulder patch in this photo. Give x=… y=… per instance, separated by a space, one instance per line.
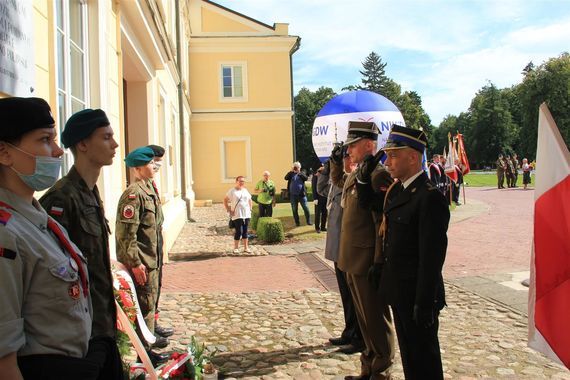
x=56 y=211
x=128 y=212
x=7 y=253
x=132 y=196
x=4 y=217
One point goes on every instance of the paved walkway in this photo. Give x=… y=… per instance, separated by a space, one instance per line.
x=270 y=317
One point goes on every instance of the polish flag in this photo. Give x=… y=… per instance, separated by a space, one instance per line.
x=549 y=294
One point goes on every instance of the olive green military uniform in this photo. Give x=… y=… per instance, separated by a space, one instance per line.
x=501 y=167
x=43 y=309
x=515 y=164
x=137 y=239
x=159 y=223
x=80 y=211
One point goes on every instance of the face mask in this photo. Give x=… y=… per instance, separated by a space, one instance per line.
x=46 y=173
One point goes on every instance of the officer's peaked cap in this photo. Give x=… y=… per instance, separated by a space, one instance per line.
x=404 y=137
x=358 y=130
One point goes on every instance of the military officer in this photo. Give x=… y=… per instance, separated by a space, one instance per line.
x=414 y=227
x=137 y=238
x=510 y=171
x=45 y=307
x=501 y=168
x=358 y=238
x=515 y=164
x=158 y=156
x=74 y=201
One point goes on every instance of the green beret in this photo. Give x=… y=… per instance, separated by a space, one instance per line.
x=139 y=157
x=22 y=115
x=81 y=124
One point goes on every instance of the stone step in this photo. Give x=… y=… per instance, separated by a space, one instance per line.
x=203 y=203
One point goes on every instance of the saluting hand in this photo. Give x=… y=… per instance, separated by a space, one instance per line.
x=140 y=274
x=368 y=165
x=336 y=154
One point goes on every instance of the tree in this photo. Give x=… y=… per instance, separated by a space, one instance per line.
x=374 y=73
x=307 y=106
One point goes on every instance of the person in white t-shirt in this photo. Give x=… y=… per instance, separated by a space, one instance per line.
x=238 y=203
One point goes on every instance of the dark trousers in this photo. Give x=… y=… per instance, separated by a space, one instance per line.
x=103 y=362
x=351 y=328
x=295 y=200
x=265 y=210
x=241 y=228
x=419 y=347
x=321 y=213
x=500 y=179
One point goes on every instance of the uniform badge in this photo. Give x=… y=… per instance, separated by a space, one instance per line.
x=7 y=253
x=128 y=211
x=74 y=291
x=56 y=211
x=4 y=217
x=132 y=196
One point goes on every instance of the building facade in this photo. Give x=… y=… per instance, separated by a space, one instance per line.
x=134 y=59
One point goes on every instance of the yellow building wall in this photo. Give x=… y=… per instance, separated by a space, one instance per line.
x=270 y=144
x=268 y=80
x=214 y=22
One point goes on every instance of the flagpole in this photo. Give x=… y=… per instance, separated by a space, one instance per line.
x=463 y=187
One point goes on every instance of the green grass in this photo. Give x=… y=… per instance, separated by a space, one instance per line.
x=478 y=179
x=303 y=232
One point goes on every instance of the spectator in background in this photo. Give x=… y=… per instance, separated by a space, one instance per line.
x=298 y=193
x=320 y=201
x=265 y=190
x=238 y=203
x=526 y=172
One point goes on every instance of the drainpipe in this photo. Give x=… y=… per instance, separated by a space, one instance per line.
x=293 y=50
x=183 y=178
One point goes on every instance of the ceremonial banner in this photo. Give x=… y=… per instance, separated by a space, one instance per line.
x=331 y=123
x=463 y=162
x=450 y=161
x=549 y=294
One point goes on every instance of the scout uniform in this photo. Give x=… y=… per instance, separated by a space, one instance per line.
x=358 y=239
x=136 y=233
x=45 y=308
x=414 y=227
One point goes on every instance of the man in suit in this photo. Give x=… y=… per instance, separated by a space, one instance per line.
x=358 y=240
x=414 y=227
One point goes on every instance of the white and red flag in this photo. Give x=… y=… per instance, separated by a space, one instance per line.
x=549 y=295
x=450 y=161
x=463 y=162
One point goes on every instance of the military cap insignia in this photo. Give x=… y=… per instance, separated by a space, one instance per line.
x=7 y=253
x=4 y=216
x=56 y=211
x=128 y=211
x=74 y=291
x=132 y=196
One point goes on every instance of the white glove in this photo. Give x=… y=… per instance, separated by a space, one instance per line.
x=316 y=202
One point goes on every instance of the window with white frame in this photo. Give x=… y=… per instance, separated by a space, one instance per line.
x=233 y=80
x=71 y=61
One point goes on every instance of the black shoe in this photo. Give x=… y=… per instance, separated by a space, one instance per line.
x=309 y=224
x=318 y=231
x=155 y=358
x=161 y=342
x=297 y=224
x=324 y=229
x=164 y=332
x=339 y=341
x=359 y=377
x=351 y=349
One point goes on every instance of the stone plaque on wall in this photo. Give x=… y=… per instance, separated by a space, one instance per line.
x=17 y=65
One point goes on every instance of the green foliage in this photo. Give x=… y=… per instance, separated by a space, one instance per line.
x=307 y=106
x=270 y=230
x=199 y=356
x=254 y=218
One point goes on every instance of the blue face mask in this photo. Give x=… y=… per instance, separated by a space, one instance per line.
x=46 y=172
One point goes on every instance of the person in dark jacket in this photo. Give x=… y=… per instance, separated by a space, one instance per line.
x=298 y=193
x=320 y=201
x=414 y=230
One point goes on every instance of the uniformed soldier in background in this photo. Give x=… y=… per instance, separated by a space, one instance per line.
x=515 y=164
x=137 y=238
x=416 y=217
x=358 y=243
x=45 y=307
x=501 y=168
x=74 y=201
x=510 y=171
x=158 y=156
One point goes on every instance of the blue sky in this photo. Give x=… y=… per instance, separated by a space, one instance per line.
x=445 y=50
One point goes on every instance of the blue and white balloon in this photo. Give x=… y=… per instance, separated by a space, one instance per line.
x=331 y=124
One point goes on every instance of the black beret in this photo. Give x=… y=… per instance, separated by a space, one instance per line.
x=81 y=124
x=139 y=157
x=21 y=115
x=157 y=149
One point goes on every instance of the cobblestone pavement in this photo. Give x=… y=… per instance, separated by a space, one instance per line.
x=270 y=318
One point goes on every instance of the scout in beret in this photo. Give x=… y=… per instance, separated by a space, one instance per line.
x=414 y=233
x=46 y=303
x=74 y=201
x=137 y=233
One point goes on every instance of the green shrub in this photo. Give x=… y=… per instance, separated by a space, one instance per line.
x=270 y=230
x=254 y=217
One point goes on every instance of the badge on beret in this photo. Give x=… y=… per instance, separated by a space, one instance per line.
x=132 y=196
x=7 y=253
x=74 y=291
x=57 y=211
x=128 y=211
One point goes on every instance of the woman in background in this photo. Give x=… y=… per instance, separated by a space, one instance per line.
x=238 y=203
